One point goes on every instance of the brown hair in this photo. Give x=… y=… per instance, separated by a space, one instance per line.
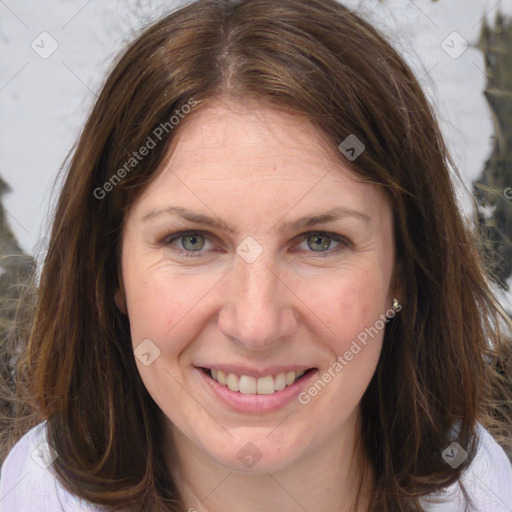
x=438 y=367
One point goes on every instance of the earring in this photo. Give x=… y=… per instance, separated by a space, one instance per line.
x=396 y=304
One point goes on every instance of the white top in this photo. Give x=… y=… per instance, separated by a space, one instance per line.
x=27 y=484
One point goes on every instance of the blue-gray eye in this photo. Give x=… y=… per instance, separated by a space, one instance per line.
x=193 y=242
x=318 y=242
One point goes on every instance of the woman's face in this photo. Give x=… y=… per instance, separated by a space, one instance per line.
x=230 y=272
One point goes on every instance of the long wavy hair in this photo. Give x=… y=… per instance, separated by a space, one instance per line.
x=445 y=361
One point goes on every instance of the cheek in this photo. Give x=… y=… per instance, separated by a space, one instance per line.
x=348 y=305
x=166 y=305
x=351 y=307
x=154 y=304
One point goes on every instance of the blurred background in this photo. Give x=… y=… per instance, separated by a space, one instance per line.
x=55 y=55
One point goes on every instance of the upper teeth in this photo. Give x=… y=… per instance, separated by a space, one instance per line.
x=262 y=386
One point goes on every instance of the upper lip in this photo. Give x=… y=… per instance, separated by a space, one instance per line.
x=255 y=372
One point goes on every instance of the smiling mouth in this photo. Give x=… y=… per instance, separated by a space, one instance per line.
x=249 y=385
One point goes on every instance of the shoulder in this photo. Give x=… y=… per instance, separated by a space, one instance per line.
x=27 y=483
x=488 y=481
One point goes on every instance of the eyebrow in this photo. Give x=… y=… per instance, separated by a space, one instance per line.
x=306 y=221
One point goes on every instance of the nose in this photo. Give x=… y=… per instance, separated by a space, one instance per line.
x=258 y=309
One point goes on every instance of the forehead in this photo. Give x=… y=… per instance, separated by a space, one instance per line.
x=259 y=157
x=255 y=137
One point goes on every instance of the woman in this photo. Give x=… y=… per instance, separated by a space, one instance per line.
x=259 y=292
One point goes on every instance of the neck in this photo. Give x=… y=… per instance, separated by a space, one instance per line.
x=327 y=478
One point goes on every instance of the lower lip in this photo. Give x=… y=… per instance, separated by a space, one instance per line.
x=253 y=403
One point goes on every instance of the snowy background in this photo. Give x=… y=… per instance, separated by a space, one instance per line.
x=44 y=101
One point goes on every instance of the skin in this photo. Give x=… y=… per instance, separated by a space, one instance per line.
x=257 y=169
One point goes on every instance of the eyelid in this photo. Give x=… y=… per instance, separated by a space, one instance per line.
x=342 y=240
x=169 y=239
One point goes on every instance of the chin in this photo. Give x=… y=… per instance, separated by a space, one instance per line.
x=257 y=454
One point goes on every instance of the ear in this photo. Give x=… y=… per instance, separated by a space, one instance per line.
x=120 y=301
x=120 y=294
x=396 y=288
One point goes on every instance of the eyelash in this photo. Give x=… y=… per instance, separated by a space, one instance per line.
x=344 y=243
